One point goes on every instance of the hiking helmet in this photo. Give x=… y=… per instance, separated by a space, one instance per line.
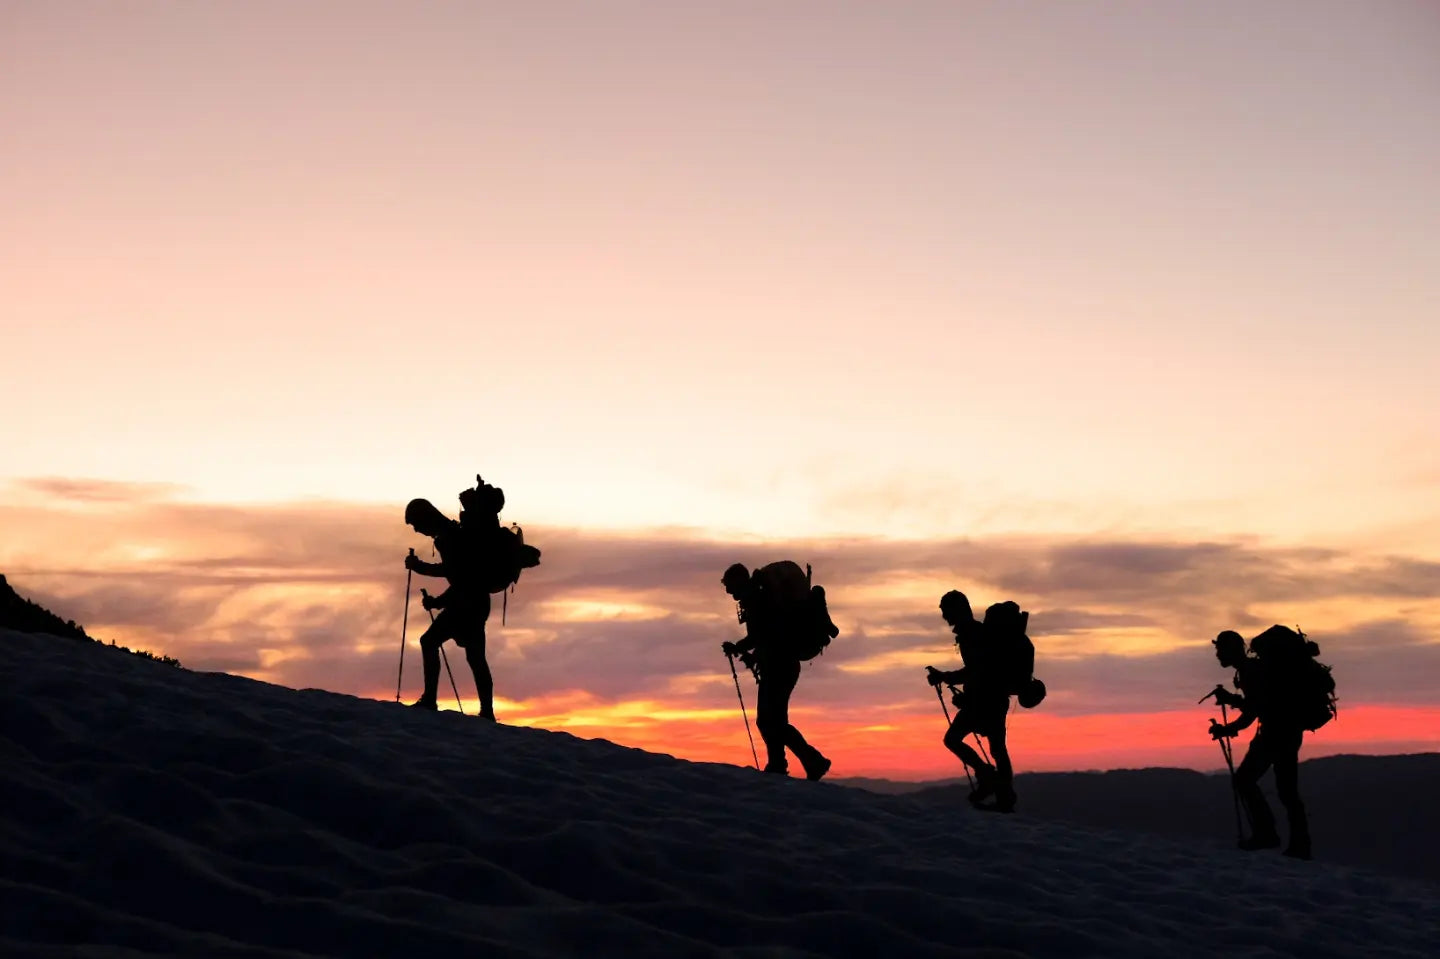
x=955 y=605
x=1229 y=638
x=1230 y=645
x=422 y=514
x=735 y=578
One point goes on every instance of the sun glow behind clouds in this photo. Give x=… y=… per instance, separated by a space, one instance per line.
x=618 y=636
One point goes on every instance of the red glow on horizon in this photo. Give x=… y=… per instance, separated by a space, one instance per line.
x=907 y=746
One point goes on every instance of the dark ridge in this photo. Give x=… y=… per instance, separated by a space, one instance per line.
x=25 y=616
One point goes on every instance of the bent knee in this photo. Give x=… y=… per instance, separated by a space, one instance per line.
x=770 y=724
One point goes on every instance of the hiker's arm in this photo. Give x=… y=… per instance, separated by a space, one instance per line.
x=954 y=677
x=415 y=563
x=746 y=645
x=1241 y=722
x=1224 y=697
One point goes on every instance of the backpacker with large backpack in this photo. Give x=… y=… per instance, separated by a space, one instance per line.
x=804 y=626
x=1005 y=625
x=1300 y=689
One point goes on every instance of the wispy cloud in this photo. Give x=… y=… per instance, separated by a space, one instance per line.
x=627 y=626
x=56 y=488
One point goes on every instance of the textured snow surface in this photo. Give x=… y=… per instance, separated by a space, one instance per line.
x=150 y=810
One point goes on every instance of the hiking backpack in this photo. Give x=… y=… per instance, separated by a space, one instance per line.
x=504 y=555
x=499 y=552
x=1302 y=688
x=806 y=627
x=1005 y=624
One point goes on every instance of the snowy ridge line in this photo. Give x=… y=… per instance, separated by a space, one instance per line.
x=152 y=810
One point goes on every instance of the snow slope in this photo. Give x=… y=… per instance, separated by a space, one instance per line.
x=152 y=810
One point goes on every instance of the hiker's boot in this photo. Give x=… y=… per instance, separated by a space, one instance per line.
x=1004 y=799
x=984 y=784
x=815 y=770
x=1299 y=847
x=1262 y=841
x=777 y=769
x=425 y=702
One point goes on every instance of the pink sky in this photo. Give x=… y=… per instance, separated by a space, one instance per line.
x=983 y=281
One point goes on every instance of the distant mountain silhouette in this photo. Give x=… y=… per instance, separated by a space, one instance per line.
x=26 y=616
x=898 y=787
x=1371 y=811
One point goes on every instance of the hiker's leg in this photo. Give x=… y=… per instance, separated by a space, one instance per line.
x=1247 y=783
x=1285 y=752
x=815 y=764
x=430 y=642
x=484 y=685
x=1004 y=772
x=955 y=741
x=808 y=755
x=772 y=717
x=471 y=636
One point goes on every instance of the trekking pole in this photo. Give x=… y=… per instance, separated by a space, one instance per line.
x=984 y=753
x=453 y=688
x=404 y=626
x=946 y=710
x=1230 y=764
x=446 y=660
x=740 y=696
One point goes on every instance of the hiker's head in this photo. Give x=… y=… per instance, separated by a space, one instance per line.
x=736 y=580
x=1229 y=647
x=483 y=498
x=955 y=607
x=423 y=517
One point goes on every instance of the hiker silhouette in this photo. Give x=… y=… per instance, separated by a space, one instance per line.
x=465 y=604
x=773 y=607
x=1276 y=688
x=981 y=704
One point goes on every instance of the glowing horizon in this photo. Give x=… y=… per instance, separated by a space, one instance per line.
x=617 y=635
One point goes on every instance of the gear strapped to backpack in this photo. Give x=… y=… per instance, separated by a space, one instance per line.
x=1302 y=690
x=804 y=624
x=505 y=555
x=501 y=552
x=1005 y=624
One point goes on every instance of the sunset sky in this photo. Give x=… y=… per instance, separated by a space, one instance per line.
x=1129 y=312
